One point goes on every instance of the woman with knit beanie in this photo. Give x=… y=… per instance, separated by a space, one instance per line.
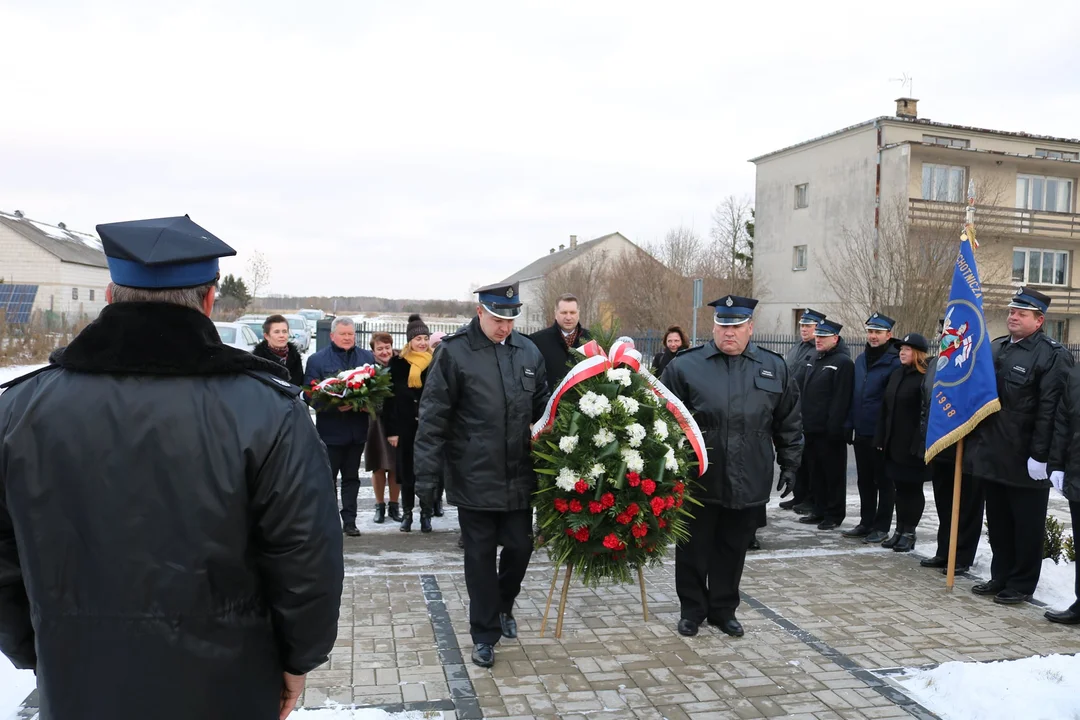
x=408 y=371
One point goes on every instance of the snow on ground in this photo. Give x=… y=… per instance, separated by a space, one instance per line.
x=15 y=685
x=1056 y=582
x=339 y=712
x=1035 y=688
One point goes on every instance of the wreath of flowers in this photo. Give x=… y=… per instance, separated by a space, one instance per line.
x=613 y=476
x=365 y=388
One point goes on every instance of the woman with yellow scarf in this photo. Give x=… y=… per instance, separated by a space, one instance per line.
x=400 y=415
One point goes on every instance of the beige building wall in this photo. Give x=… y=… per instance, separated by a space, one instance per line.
x=22 y=262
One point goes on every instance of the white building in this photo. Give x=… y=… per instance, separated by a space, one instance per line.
x=51 y=270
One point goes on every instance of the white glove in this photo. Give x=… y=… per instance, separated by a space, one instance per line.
x=1036 y=469
x=1057 y=479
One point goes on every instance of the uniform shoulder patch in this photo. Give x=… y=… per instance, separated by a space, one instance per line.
x=269 y=379
x=23 y=378
x=1051 y=341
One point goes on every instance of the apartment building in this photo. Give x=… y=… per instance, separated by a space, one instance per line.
x=843 y=185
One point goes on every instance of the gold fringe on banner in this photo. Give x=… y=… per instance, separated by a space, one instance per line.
x=953 y=437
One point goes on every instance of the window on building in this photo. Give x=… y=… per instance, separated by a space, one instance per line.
x=1057 y=329
x=1056 y=154
x=1036 y=192
x=946 y=141
x=942 y=182
x=798 y=262
x=74 y=293
x=91 y=295
x=802 y=196
x=1040 y=267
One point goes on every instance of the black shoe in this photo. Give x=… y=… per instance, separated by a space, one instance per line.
x=461 y=541
x=483 y=654
x=425 y=521
x=876 y=537
x=351 y=530
x=859 y=531
x=1011 y=597
x=788 y=504
x=987 y=588
x=935 y=562
x=811 y=519
x=406 y=523
x=380 y=513
x=755 y=544
x=828 y=525
x=892 y=540
x=730 y=626
x=509 y=625
x=906 y=543
x=687 y=628
x=437 y=510
x=960 y=569
x=394 y=511
x=1065 y=617
x=803 y=509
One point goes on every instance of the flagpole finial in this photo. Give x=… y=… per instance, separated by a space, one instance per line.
x=971 y=191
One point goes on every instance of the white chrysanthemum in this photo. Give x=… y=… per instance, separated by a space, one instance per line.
x=603 y=437
x=620 y=375
x=635 y=434
x=634 y=462
x=597 y=470
x=629 y=404
x=567 y=443
x=566 y=479
x=594 y=405
x=682 y=441
x=669 y=460
x=660 y=429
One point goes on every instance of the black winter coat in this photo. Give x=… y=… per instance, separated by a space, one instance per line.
x=798 y=360
x=900 y=429
x=826 y=396
x=401 y=412
x=558 y=359
x=476 y=412
x=293 y=362
x=1065 y=448
x=745 y=405
x=178 y=545
x=1030 y=377
x=660 y=361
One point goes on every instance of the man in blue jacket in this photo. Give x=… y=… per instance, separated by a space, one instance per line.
x=877 y=496
x=343 y=431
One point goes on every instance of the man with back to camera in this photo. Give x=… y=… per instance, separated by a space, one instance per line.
x=175 y=554
x=556 y=341
x=486 y=386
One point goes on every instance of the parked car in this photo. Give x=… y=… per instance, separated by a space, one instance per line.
x=298 y=332
x=237 y=335
x=312 y=317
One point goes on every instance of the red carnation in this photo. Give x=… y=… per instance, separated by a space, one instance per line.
x=658 y=505
x=679 y=488
x=640 y=530
x=608 y=500
x=678 y=503
x=575 y=506
x=623 y=519
x=570 y=532
x=648 y=487
x=582 y=534
x=633 y=479
x=561 y=505
x=581 y=486
x=612 y=542
x=632 y=509
x=660 y=523
x=669 y=502
x=595 y=507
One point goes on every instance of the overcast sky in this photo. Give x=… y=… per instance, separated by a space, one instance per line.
x=421 y=148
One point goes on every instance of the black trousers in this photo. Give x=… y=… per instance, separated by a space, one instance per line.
x=709 y=565
x=910 y=503
x=800 y=493
x=1016 y=521
x=877 y=494
x=492 y=589
x=972 y=500
x=405 y=476
x=1074 y=510
x=828 y=475
x=346 y=460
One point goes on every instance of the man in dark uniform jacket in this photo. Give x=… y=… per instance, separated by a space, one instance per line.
x=826 y=401
x=745 y=403
x=555 y=342
x=177 y=544
x=486 y=386
x=797 y=359
x=1010 y=448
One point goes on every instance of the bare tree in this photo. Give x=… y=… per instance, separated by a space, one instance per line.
x=258 y=274
x=732 y=252
x=681 y=251
x=644 y=294
x=584 y=277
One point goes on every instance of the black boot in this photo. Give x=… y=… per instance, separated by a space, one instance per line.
x=394 y=512
x=906 y=542
x=894 y=538
x=406 y=522
x=425 y=520
x=380 y=513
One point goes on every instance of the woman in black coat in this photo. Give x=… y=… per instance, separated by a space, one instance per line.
x=900 y=436
x=674 y=341
x=276 y=348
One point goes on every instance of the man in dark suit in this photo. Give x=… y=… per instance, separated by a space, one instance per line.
x=555 y=342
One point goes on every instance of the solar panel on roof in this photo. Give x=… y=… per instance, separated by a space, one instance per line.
x=17 y=302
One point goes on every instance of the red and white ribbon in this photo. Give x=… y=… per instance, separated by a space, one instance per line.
x=623 y=353
x=363 y=372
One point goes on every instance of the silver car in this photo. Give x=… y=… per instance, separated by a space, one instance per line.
x=237 y=335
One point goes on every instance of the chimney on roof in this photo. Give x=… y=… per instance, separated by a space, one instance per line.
x=573 y=242
x=907 y=108
x=18 y=213
x=61 y=225
x=561 y=247
x=551 y=251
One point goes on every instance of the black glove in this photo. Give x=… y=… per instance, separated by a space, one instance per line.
x=787 y=482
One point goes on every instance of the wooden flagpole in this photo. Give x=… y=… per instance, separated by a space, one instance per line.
x=954 y=529
x=551 y=594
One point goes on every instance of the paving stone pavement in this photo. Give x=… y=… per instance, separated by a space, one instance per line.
x=826 y=621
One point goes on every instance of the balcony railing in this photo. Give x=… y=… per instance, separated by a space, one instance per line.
x=996 y=220
x=1063 y=300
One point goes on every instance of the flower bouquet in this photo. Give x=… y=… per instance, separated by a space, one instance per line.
x=615 y=467
x=365 y=388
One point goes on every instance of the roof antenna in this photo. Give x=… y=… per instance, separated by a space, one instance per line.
x=905 y=81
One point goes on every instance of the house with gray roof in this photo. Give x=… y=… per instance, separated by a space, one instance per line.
x=48 y=268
